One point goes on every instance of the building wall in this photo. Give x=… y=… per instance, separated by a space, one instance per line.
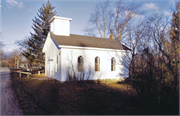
x=60 y=27
x=70 y=57
x=50 y=53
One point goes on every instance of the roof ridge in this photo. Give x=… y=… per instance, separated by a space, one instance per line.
x=88 y=36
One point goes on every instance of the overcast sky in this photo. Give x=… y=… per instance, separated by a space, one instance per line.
x=16 y=15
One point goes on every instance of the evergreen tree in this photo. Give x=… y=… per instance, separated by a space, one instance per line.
x=41 y=27
x=28 y=51
x=174 y=42
x=32 y=46
x=171 y=49
x=174 y=34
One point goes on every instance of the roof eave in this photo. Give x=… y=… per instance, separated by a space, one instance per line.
x=54 y=41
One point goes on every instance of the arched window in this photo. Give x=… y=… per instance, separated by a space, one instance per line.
x=80 y=63
x=113 y=64
x=97 y=64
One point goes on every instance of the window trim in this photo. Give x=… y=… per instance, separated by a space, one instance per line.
x=80 y=65
x=97 y=64
x=113 y=64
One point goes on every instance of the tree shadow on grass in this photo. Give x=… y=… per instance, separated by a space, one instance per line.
x=37 y=97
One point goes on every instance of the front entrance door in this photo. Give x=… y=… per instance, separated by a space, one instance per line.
x=51 y=68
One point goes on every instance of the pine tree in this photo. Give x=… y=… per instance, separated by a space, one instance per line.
x=32 y=46
x=41 y=27
x=174 y=38
x=28 y=46
x=171 y=49
x=174 y=34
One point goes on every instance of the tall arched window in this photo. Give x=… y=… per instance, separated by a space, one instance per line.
x=97 y=64
x=113 y=64
x=80 y=63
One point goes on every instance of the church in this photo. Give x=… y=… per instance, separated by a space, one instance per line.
x=64 y=51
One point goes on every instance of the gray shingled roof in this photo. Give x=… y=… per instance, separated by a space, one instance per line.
x=86 y=41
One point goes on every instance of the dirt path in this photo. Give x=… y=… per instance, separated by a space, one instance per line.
x=9 y=106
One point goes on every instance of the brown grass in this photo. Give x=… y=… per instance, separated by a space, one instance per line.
x=42 y=75
x=42 y=97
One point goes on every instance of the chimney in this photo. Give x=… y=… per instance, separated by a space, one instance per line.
x=111 y=36
x=60 y=25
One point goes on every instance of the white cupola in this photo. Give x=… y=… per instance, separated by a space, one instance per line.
x=60 y=25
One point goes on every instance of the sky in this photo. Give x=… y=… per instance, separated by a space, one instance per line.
x=16 y=16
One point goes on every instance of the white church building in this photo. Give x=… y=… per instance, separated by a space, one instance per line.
x=64 y=50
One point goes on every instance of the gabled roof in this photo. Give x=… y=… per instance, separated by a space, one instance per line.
x=86 y=41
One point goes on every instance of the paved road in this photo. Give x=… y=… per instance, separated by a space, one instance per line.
x=9 y=106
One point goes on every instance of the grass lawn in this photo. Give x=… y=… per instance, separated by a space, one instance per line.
x=36 y=97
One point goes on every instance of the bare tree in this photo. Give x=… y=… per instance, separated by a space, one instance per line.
x=27 y=51
x=120 y=21
x=1 y=44
x=165 y=46
x=108 y=20
x=73 y=74
x=1 y=52
x=14 y=58
x=153 y=67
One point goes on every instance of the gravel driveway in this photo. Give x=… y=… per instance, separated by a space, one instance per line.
x=9 y=106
